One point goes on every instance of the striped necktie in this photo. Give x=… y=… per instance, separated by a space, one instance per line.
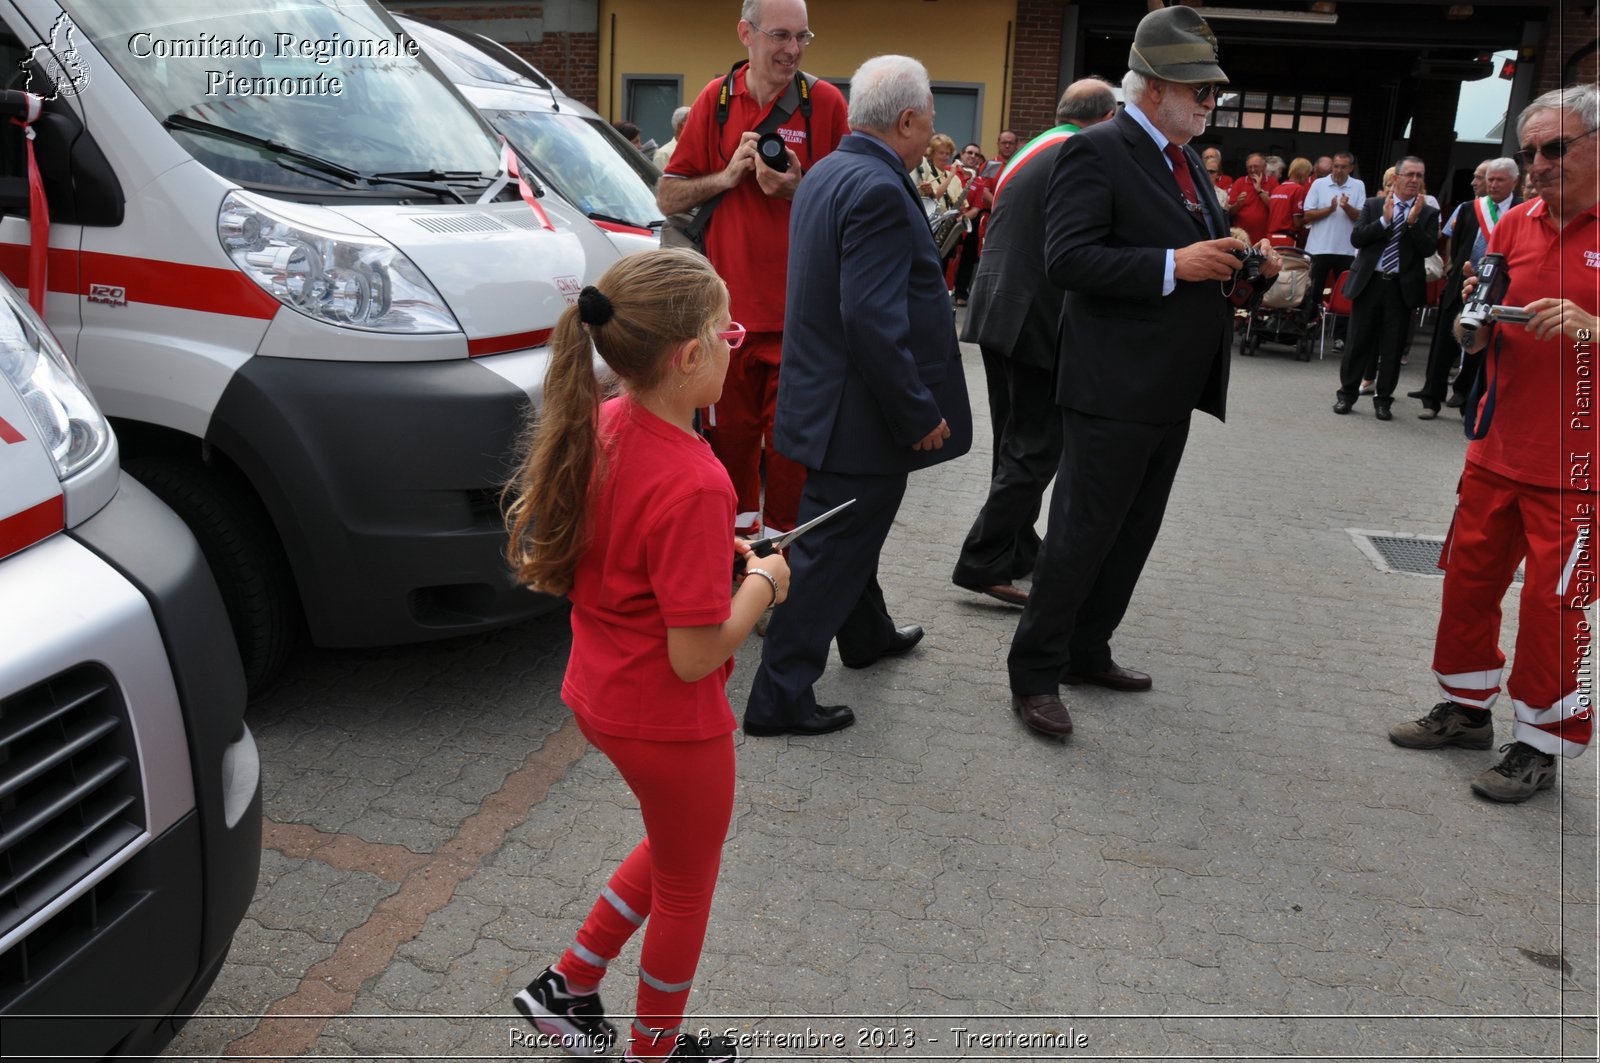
x=1389 y=261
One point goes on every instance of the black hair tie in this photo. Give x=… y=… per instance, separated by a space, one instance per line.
x=593 y=306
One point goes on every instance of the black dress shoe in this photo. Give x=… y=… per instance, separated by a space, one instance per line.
x=1341 y=405
x=902 y=640
x=1112 y=677
x=1043 y=713
x=1382 y=413
x=1428 y=413
x=1415 y=394
x=826 y=720
x=1455 y=401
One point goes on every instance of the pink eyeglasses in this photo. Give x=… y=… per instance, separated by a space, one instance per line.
x=734 y=335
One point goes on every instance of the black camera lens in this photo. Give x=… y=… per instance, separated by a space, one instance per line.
x=773 y=151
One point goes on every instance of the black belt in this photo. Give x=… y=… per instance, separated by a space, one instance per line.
x=1387 y=276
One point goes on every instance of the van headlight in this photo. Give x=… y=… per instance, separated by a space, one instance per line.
x=353 y=281
x=70 y=425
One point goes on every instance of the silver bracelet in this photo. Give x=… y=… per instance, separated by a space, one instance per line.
x=769 y=577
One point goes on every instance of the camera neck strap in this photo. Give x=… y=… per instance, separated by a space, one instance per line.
x=1475 y=416
x=796 y=97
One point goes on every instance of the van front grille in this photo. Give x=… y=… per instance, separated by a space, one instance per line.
x=70 y=788
x=459 y=223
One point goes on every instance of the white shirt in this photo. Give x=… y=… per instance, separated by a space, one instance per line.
x=1331 y=235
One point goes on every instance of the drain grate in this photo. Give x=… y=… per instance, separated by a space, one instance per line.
x=1416 y=555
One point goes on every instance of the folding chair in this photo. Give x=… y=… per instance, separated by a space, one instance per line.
x=1336 y=306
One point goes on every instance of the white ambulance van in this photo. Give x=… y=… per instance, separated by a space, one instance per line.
x=130 y=790
x=289 y=259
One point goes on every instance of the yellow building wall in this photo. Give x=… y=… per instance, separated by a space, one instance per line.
x=962 y=41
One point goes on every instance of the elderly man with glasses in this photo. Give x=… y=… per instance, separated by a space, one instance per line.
x=1135 y=236
x=717 y=168
x=1527 y=492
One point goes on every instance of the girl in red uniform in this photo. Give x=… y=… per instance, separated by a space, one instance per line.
x=622 y=506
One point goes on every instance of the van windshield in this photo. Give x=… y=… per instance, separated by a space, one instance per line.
x=329 y=79
x=588 y=168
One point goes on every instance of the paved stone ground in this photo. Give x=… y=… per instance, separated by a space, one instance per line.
x=1235 y=865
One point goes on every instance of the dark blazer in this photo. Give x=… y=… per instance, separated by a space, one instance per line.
x=1014 y=306
x=1125 y=351
x=870 y=358
x=1369 y=237
x=1465 y=235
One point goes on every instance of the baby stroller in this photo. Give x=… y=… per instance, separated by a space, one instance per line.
x=1276 y=316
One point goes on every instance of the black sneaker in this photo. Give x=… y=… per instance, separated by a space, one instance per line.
x=1523 y=772
x=577 y=1021
x=706 y=1049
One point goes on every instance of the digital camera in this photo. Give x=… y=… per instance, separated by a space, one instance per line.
x=1493 y=280
x=773 y=151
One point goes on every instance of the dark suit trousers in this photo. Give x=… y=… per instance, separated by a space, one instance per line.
x=1444 y=352
x=1380 y=326
x=1110 y=496
x=1002 y=544
x=833 y=591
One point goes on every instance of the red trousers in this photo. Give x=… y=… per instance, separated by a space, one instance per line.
x=685 y=792
x=739 y=428
x=1497 y=522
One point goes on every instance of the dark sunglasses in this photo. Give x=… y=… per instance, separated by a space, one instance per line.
x=1552 y=150
x=1210 y=88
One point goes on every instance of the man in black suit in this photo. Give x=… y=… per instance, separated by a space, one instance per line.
x=1012 y=317
x=872 y=388
x=1395 y=233
x=1135 y=235
x=1469 y=239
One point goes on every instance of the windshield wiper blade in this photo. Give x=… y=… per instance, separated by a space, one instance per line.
x=595 y=215
x=195 y=125
x=316 y=162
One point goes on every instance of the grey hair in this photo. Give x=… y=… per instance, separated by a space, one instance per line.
x=750 y=10
x=1581 y=100
x=1410 y=158
x=680 y=116
x=885 y=86
x=1092 y=101
x=1275 y=165
x=1134 y=86
x=1504 y=165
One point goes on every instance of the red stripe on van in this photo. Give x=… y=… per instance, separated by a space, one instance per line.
x=632 y=230
x=9 y=434
x=32 y=525
x=176 y=284
x=515 y=342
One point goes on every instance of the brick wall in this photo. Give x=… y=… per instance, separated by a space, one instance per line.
x=571 y=59
x=1036 y=59
x=1570 y=27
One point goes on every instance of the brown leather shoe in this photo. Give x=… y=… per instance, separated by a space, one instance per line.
x=1009 y=593
x=1043 y=713
x=1114 y=677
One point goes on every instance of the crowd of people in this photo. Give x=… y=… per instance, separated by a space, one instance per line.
x=795 y=376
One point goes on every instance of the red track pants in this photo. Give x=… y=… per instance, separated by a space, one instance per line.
x=685 y=792
x=739 y=428
x=1498 y=520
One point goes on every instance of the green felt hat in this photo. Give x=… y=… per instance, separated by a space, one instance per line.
x=1175 y=44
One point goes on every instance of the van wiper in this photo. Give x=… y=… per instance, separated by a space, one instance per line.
x=315 y=162
x=595 y=215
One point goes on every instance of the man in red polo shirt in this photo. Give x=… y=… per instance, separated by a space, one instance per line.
x=748 y=237
x=1249 y=197
x=1530 y=476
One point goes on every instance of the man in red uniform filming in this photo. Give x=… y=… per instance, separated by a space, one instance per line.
x=1528 y=487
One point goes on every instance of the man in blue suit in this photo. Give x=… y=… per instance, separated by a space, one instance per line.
x=872 y=388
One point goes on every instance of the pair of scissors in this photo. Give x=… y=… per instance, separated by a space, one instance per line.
x=772 y=544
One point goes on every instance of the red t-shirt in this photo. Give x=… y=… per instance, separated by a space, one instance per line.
x=1544 y=415
x=1252 y=216
x=748 y=239
x=660 y=555
x=1222 y=181
x=1287 y=200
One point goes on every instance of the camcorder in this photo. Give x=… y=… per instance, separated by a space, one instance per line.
x=1484 y=306
x=773 y=151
